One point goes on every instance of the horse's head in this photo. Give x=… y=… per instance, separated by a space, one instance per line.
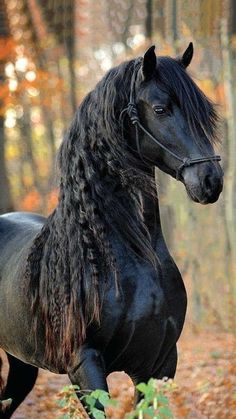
x=175 y=124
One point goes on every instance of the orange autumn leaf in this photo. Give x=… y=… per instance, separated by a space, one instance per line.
x=4 y=90
x=52 y=200
x=31 y=201
x=7 y=48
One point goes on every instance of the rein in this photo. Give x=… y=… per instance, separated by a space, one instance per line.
x=132 y=112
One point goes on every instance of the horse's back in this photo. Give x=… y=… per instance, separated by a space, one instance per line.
x=21 y=219
x=17 y=226
x=17 y=232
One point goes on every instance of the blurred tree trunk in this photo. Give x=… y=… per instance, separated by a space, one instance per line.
x=149 y=19
x=6 y=204
x=5 y=195
x=42 y=58
x=41 y=61
x=228 y=27
x=119 y=20
x=25 y=127
x=27 y=142
x=71 y=66
x=174 y=33
x=59 y=18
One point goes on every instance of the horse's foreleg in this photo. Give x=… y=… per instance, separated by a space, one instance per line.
x=1 y=380
x=89 y=374
x=166 y=370
x=20 y=381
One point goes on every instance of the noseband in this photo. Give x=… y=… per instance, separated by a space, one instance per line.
x=132 y=112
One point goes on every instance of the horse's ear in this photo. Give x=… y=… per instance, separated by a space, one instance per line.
x=187 y=56
x=149 y=63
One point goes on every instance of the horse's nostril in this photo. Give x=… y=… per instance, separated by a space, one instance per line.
x=208 y=182
x=212 y=184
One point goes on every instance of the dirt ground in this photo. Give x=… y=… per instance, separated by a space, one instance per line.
x=206 y=383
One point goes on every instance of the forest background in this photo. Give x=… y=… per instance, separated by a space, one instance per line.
x=53 y=52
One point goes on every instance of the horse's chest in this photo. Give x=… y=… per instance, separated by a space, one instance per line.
x=155 y=296
x=150 y=315
x=146 y=324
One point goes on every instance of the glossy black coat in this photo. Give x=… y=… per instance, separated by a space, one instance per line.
x=138 y=330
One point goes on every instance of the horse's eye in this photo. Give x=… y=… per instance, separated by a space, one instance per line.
x=159 y=110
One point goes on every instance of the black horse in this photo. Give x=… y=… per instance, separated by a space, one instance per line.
x=93 y=289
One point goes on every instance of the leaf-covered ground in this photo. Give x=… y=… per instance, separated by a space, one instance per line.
x=206 y=383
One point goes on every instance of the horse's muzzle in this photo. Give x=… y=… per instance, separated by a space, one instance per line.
x=203 y=182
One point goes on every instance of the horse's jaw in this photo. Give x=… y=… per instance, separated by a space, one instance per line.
x=203 y=182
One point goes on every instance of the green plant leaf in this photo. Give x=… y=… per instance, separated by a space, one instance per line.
x=91 y=401
x=165 y=412
x=97 y=413
x=142 y=387
x=149 y=411
x=67 y=416
x=62 y=403
x=104 y=399
x=162 y=399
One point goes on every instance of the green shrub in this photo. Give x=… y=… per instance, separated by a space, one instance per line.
x=153 y=404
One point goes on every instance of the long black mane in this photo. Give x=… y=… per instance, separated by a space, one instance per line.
x=198 y=110
x=100 y=188
x=99 y=192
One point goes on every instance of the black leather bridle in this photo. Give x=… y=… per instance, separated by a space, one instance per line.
x=132 y=112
